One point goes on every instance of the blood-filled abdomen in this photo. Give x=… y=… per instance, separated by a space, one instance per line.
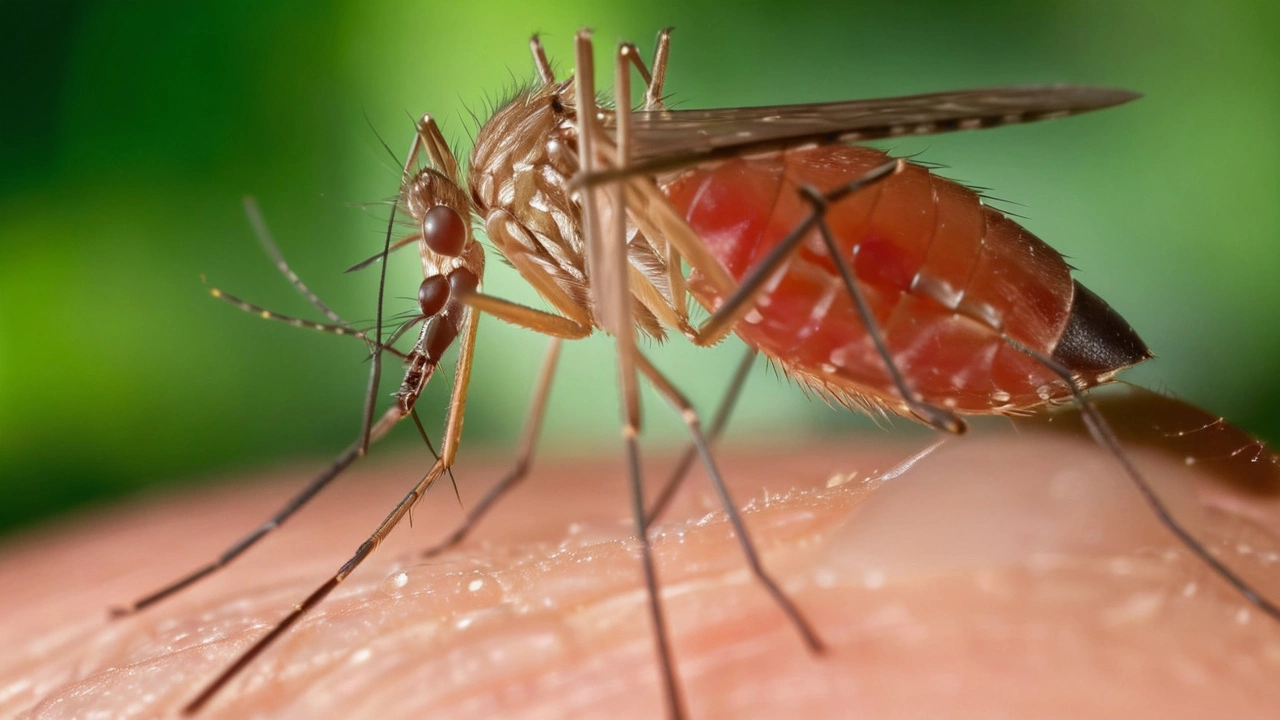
x=946 y=278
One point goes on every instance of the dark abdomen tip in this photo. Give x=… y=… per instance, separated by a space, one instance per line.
x=1097 y=341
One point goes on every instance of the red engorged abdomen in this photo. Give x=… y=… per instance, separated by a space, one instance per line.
x=945 y=278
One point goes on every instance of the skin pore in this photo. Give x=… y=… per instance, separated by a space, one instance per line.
x=1008 y=574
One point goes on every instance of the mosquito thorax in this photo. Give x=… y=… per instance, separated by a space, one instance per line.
x=514 y=168
x=522 y=166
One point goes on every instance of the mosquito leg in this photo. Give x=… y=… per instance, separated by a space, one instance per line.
x=690 y=417
x=313 y=488
x=539 y=321
x=524 y=455
x=1102 y=434
x=540 y=62
x=725 y=409
x=628 y=356
x=661 y=51
x=426 y=439
x=605 y=209
x=666 y=665
x=366 y=548
x=933 y=415
x=448 y=452
x=370 y=431
x=653 y=82
x=344 y=460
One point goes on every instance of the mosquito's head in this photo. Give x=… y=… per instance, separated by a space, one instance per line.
x=452 y=259
x=441 y=211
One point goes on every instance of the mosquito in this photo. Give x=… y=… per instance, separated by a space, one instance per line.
x=866 y=278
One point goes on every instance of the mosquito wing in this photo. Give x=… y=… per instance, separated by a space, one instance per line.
x=667 y=140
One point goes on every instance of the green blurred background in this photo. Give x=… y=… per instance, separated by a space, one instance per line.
x=130 y=131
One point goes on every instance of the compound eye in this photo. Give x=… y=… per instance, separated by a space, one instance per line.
x=444 y=231
x=433 y=293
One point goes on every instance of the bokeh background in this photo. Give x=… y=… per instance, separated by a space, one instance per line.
x=130 y=131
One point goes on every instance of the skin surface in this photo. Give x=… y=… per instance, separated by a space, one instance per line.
x=1009 y=574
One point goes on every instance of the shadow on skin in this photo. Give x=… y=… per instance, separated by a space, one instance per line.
x=1012 y=574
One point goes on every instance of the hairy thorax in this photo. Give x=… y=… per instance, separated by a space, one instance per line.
x=521 y=167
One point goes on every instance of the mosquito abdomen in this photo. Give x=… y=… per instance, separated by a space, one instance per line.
x=946 y=278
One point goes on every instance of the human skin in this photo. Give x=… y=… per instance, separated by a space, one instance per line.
x=1007 y=575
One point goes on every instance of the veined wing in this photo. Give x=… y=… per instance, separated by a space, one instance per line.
x=667 y=140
